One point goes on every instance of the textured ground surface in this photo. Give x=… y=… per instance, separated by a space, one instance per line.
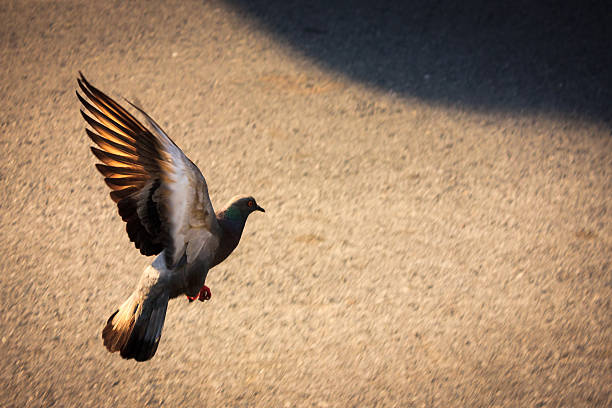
x=438 y=187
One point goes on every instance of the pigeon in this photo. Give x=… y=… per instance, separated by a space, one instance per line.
x=163 y=198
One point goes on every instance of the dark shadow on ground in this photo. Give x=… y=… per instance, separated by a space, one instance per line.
x=551 y=56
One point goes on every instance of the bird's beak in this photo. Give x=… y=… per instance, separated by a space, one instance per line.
x=258 y=208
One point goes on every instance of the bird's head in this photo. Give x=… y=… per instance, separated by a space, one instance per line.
x=241 y=207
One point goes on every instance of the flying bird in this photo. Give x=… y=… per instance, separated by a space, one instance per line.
x=163 y=199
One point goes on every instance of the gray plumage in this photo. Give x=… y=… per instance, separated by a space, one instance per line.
x=163 y=198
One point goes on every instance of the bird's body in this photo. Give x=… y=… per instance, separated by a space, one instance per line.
x=163 y=198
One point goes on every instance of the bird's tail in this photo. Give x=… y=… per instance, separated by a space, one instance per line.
x=135 y=328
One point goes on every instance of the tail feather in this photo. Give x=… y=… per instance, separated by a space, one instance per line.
x=135 y=329
x=119 y=326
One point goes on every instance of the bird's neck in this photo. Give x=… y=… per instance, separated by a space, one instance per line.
x=232 y=221
x=231 y=227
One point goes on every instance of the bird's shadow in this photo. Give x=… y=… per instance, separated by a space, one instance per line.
x=550 y=56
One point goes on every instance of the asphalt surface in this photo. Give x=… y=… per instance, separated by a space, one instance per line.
x=437 y=179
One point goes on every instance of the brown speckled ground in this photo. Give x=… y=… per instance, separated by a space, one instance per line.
x=413 y=252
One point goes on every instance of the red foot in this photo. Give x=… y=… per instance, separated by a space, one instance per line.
x=202 y=296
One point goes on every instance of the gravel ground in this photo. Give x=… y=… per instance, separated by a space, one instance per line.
x=436 y=181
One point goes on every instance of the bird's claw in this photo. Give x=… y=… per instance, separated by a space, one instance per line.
x=202 y=296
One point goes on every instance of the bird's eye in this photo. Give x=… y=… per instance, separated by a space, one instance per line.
x=250 y=203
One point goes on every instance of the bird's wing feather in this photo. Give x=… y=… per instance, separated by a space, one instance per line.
x=160 y=193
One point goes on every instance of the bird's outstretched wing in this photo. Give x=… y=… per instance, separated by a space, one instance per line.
x=160 y=193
